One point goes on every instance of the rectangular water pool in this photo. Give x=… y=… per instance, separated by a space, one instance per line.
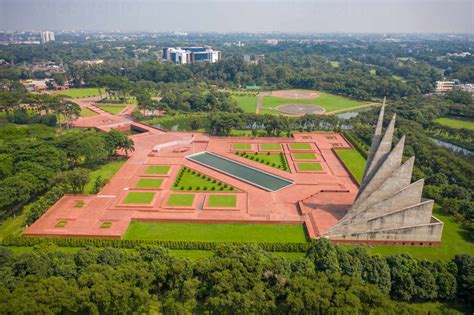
x=241 y=171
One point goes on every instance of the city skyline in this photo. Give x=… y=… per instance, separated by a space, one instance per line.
x=343 y=16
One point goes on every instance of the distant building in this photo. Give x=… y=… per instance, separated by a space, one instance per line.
x=444 y=86
x=35 y=85
x=272 y=41
x=187 y=55
x=468 y=87
x=92 y=62
x=47 y=37
x=255 y=59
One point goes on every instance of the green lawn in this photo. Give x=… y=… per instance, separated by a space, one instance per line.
x=276 y=160
x=157 y=169
x=185 y=200
x=80 y=92
x=455 y=123
x=270 y=146
x=222 y=201
x=138 y=197
x=86 y=112
x=353 y=161
x=216 y=232
x=247 y=103
x=335 y=64
x=455 y=240
x=106 y=171
x=309 y=166
x=113 y=109
x=189 y=180
x=305 y=156
x=149 y=183
x=242 y=146
x=327 y=101
x=300 y=146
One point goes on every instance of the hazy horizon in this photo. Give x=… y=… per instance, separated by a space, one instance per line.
x=297 y=16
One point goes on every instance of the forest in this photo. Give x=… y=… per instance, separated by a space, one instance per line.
x=235 y=279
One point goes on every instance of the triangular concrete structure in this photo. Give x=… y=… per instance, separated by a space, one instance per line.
x=388 y=207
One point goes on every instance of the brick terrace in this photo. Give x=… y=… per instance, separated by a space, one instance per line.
x=317 y=198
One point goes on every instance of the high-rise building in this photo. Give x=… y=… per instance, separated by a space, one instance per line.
x=190 y=54
x=47 y=37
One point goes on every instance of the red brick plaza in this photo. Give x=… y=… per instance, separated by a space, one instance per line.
x=318 y=198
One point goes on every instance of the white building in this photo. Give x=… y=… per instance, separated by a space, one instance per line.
x=190 y=54
x=47 y=37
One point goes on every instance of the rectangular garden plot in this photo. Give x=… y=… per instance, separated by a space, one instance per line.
x=157 y=169
x=149 y=183
x=309 y=167
x=270 y=147
x=139 y=197
x=222 y=201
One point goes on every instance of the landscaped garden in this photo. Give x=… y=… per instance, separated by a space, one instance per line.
x=270 y=146
x=190 y=180
x=456 y=123
x=86 y=112
x=327 y=101
x=183 y=200
x=138 y=197
x=157 y=170
x=309 y=166
x=226 y=200
x=272 y=233
x=276 y=160
x=353 y=161
x=80 y=92
x=305 y=156
x=300 y=146
x=247 y=103
x=113 y=109
x=242 y=146
x=149 y=183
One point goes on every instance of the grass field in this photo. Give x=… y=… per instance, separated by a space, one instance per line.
x=327 y=101
x=149 y=183
x=187 y=181
x=276 y=160
x=85 y=112
x=113 y=109
x=270 y=146
x=309 y=166
x=106 y=171
x=185 y=200
x=157 y=169
x=300 y=146
x=305 y=156
x=247 y=103
x=222 y=201
x=138 y=197
x=80 y=93
x=273 y=233
x=353 y=161
x=455 y=123
x=335 y=64
x=242 y=146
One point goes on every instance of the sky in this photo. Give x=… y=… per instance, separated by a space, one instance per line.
x=308 y=16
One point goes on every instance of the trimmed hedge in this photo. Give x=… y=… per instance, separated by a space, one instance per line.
x=119 y=243
x=361 y=147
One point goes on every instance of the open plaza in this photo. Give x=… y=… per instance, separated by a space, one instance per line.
x=192 y=177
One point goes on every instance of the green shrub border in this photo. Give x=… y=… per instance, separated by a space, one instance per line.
x=361 y=147
x=129 y=244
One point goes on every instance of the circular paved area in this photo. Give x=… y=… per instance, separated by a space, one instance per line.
x=300 y=109
x=293 y=94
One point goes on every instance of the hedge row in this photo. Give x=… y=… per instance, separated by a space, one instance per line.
x=119 y=243
x=361 y=147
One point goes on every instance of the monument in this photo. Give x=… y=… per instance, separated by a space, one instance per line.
x=388 y=207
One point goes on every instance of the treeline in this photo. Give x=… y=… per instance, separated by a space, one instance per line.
x=223 y=123
x=236 y=279
x=34 y=158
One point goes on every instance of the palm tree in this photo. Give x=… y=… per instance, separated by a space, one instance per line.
x=127 y=145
